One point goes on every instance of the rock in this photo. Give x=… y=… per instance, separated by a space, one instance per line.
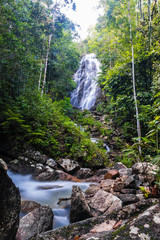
x=130 y=182
x=51 y=163
x=3 y=164
x=70 y=166
x=36 y=156
x=92 y=189
x=49 y=187
x=146 y=226
x=48 y=174
x=79 y=208
x=22 y=165
x=84 y=230
x=37 y=221
x=28 y=206
x=84 y=173
x=107 y=184
x=125 y=172
x=112 y=174
x=104 y=202
x=128 y=191
x=9 y=207
x=118 y=185
x=101 y=172
x=128 y=198
x=144 y=168
x=62 y=176
x=118 y=166
x=93 y=179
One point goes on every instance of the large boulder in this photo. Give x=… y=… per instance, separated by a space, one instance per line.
x=68 y=165
x=97 y=228
x=84 y=173
x=9 y=207
x=37 y=221
x=104 y=202
x=79 y=207
x=28 y=206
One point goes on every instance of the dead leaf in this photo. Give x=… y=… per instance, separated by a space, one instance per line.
x=118 y=224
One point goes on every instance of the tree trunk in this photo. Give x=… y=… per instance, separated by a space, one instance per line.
x=158 y=5
x=40 y=77
x=46 y=64
x=133 y=79
x=140 y=8
x=150 y=20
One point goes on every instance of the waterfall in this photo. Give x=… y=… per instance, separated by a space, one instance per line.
x=87 y=91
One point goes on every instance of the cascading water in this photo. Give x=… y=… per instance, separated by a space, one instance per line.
x=87 y=91
x=47 y=193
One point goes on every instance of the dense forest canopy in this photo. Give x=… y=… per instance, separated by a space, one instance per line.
x=39 y=57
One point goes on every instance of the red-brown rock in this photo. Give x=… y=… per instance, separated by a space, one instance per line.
x=112 y=174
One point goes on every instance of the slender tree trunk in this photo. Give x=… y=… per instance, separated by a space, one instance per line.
x=40 y=77
x=110 y=60
x=46 y=64
x=158 y=5
x=137 y=10
x=133 y=79
x=150 y=20
x=140 y=8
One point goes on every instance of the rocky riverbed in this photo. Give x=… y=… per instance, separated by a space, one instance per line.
x=112 y=207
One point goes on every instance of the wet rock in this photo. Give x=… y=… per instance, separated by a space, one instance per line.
x=37 y=221
x=112 y=174
x=47 y=174
x=70 y=166
x=49 y=187
x=104 y=202
x=22 y=165
x=128 y=198
x=84 y=173
x=79 y=207
x=51 y=163
x=62 y=176
x=36 y=156
x=9 y=207
x=3 y=164
x=28 y=206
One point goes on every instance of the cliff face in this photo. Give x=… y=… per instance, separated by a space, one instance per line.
x=9 y=207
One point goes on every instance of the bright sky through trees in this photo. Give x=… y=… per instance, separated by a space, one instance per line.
x=85 y=15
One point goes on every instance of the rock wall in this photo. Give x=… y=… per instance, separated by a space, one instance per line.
x=9 y=207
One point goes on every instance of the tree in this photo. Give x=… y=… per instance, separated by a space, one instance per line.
x=133 y=79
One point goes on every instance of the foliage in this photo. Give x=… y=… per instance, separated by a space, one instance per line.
x=44 y=124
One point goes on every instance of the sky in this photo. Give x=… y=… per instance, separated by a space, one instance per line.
x=85 y=15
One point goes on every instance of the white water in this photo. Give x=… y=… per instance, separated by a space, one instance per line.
x=85 y=95
x=95 y=140
x=31 y=190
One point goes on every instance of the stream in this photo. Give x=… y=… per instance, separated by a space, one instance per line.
x=47 y=193
x=83 y=97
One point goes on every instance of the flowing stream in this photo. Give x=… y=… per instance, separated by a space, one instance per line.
x=87 y=91
x=47 y=193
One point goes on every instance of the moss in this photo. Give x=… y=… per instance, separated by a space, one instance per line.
x=120 y=232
